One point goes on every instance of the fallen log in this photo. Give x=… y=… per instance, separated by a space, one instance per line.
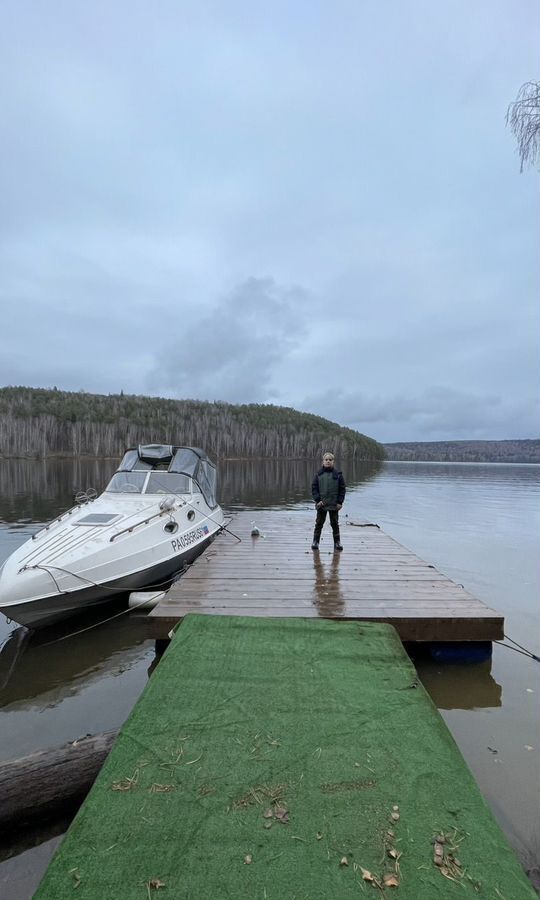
x=44 y=785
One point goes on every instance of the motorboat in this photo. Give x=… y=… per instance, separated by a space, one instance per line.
x=156 y=515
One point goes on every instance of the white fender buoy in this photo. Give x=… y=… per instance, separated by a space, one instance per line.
x=145 y=599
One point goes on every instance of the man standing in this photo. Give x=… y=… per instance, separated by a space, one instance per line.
x=328 y=491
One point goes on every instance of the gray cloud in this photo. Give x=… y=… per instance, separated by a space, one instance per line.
x=166 y=178
x=233 y=352
x=435 y=413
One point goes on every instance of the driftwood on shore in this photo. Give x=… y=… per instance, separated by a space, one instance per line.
x=43 y=785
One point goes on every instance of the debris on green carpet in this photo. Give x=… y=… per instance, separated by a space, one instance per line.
x=284 y=759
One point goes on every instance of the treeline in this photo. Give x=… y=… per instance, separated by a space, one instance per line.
x=526 y=451
x=36 y=423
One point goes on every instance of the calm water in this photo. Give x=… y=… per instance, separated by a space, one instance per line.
x=479 y=524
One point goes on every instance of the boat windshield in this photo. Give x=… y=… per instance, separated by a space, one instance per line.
x=127 y=483
x=168 y=483
x=158 y=483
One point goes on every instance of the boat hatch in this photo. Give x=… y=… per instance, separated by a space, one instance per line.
x=98 y=519
x=155 y=453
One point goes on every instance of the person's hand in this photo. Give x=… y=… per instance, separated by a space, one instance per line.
x=319 y=505
x=339 y=505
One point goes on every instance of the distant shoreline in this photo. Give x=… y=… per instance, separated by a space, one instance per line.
x=461 y=462
x=508 y=451
x=391 y=457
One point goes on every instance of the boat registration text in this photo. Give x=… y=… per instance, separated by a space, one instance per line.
x=186 y=540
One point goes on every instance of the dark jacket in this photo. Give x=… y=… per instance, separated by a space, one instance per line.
x=330 y=488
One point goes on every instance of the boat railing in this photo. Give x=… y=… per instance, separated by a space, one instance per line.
x=54 y=521
x=81 y=498
x=162 y=512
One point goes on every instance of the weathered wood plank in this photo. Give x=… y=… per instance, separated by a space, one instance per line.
x=315 y=585
x=429 y=607
x=432 y=628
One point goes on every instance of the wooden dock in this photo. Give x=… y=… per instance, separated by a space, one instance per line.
x=276 y=574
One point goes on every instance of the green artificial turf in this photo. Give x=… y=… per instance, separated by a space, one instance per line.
x=265 y=759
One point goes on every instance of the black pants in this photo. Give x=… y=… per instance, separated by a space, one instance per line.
x=321 y=519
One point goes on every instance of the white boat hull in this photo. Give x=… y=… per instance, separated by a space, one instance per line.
x=69 y=566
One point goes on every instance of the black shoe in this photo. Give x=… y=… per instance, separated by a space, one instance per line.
x=315 y=545
x=338 y=546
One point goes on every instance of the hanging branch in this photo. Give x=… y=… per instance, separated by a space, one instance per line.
x=523 y=117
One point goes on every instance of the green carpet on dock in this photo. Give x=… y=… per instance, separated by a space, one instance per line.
x=284 y=759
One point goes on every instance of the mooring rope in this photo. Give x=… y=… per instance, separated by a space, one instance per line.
x=122 y=612
x=522 y=650
x=94 y=625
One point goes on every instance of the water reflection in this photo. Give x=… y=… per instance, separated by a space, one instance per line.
x=460 y=686
x=38 y=490
x=459 y=473
x=266 y=483
x=35 y=491
x=43 y=668
x=328 y=596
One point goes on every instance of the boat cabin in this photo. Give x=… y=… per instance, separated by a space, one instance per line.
x=165 y=469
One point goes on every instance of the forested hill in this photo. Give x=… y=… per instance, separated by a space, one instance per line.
x=526 y=451
x=37 y=423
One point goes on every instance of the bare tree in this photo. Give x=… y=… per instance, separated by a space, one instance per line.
x=523 y=117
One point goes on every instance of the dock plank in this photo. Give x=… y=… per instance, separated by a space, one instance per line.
x=277 y=574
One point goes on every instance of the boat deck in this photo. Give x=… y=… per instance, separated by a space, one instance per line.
x=277 y=575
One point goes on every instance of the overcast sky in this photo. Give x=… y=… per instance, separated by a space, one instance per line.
x=314 y=204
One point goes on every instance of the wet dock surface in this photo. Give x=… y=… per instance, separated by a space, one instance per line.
x=276 y=574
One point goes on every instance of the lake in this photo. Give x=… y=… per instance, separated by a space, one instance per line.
x=477 y=523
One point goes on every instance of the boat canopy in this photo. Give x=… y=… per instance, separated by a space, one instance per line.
x=155 y=453
x=190 y=461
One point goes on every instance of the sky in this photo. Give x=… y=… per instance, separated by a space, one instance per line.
x=312 y=204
